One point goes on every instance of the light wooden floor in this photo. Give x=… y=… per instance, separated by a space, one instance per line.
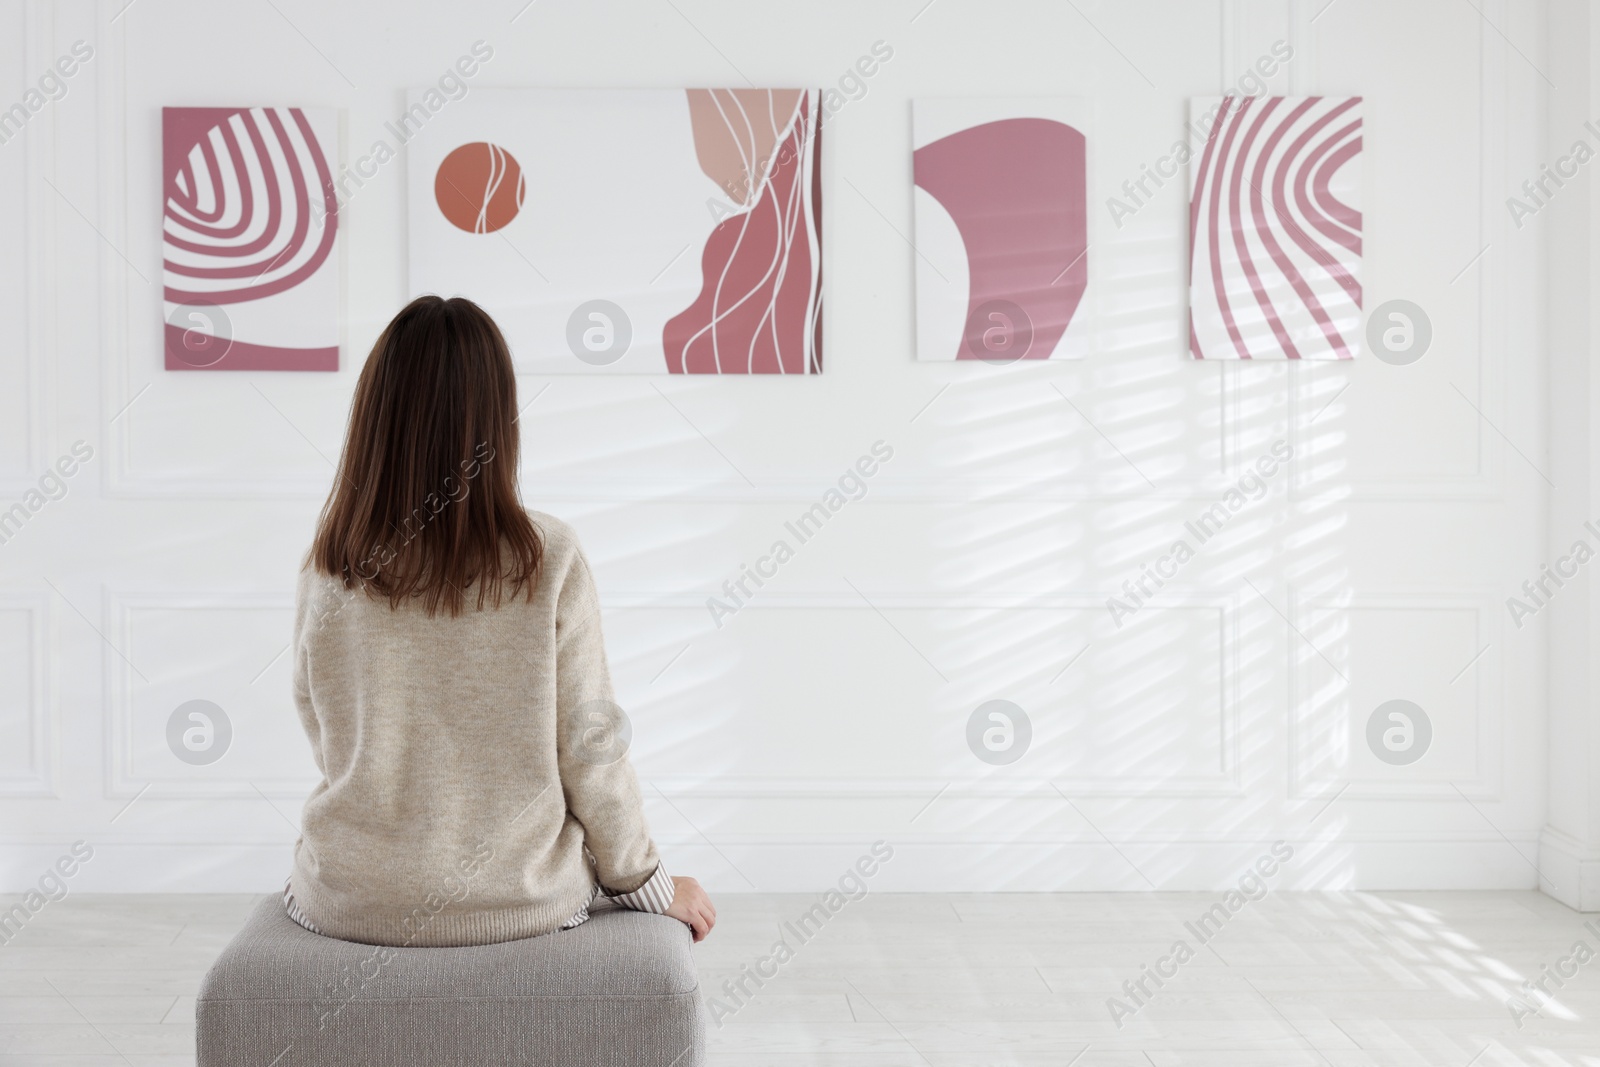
x=956 y=979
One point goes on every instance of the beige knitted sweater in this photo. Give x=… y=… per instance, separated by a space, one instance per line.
x=461 y=778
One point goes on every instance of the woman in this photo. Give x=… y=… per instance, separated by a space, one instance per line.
x=451 y=675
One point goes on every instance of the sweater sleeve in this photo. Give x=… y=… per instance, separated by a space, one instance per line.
x=304 y=616
x=592 y=741
x=655 y=896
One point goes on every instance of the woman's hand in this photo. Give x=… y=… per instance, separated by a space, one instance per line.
x=691 y=906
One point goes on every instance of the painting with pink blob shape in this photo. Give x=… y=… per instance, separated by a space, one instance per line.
x=249 y=225
x=643 y=231
x=1275 y=228
x=1002 y=229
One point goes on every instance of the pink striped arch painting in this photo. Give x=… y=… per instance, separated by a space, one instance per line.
x=1002 y=228
x=249 y=222
x=1275 y=228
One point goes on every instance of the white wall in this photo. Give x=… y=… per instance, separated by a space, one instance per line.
x=1569 y=848
x=832 y=710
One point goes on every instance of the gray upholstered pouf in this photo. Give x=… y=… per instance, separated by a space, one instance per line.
x=618 y=991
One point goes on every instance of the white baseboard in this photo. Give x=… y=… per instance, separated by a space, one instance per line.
x=1569 y=870
x=925 y=864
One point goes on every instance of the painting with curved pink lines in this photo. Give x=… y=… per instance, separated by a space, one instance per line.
x=249 y=224
x=1275 y=229
x=627 y=231
x=759 y=309
x=1002 y=228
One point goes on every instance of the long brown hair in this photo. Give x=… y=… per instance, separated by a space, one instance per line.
x=425 y=501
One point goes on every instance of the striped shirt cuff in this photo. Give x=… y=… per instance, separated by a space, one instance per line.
x=655 y=896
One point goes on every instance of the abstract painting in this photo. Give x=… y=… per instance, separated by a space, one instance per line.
x=1275 y=228
x=1002 y=228
x=249 y=222
x=479 y=187
x=642 y=231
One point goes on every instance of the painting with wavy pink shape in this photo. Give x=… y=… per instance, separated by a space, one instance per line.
x=1002 y=229
x=627 y=231
x=249 y=222
x=759 y=310
x=1275 y=228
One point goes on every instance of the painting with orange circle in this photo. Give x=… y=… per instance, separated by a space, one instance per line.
x=479 y=187
x=634 y=231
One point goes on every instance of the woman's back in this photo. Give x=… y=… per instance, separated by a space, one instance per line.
x=443 y=816
x=451 y=675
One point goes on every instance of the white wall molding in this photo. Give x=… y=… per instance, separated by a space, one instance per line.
x=1016 y=780
x=120 y=606
x=1483 y=677
x=39 y=779
x=34 y=23
x=1486 y=275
